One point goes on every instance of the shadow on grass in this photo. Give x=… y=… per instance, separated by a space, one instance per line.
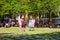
x=46 y=36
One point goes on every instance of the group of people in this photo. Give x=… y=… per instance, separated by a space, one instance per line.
x=23 y=24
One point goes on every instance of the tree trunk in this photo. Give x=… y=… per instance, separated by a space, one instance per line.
x=58 y=14
x=50 y=19
x=26 y=17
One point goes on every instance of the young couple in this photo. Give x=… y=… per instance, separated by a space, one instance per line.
x=30 y=24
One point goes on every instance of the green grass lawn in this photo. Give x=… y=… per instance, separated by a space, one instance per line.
x=14 y=33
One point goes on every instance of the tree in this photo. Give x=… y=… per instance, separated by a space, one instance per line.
x=35 y=7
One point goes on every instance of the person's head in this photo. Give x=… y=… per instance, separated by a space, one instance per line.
x=22 y=18
x=31 y=17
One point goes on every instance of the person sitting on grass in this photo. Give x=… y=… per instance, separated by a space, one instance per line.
x=31 y=24
x=7 y=25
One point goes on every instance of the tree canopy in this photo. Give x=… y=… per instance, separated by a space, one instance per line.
x=36 y=7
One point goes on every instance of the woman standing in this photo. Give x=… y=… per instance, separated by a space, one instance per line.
x=31 y=24
x=23 y=24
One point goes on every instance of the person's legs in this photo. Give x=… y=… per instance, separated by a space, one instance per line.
x=26 y=25
x=20 y=27
x=23 y=28
x=31 y=29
